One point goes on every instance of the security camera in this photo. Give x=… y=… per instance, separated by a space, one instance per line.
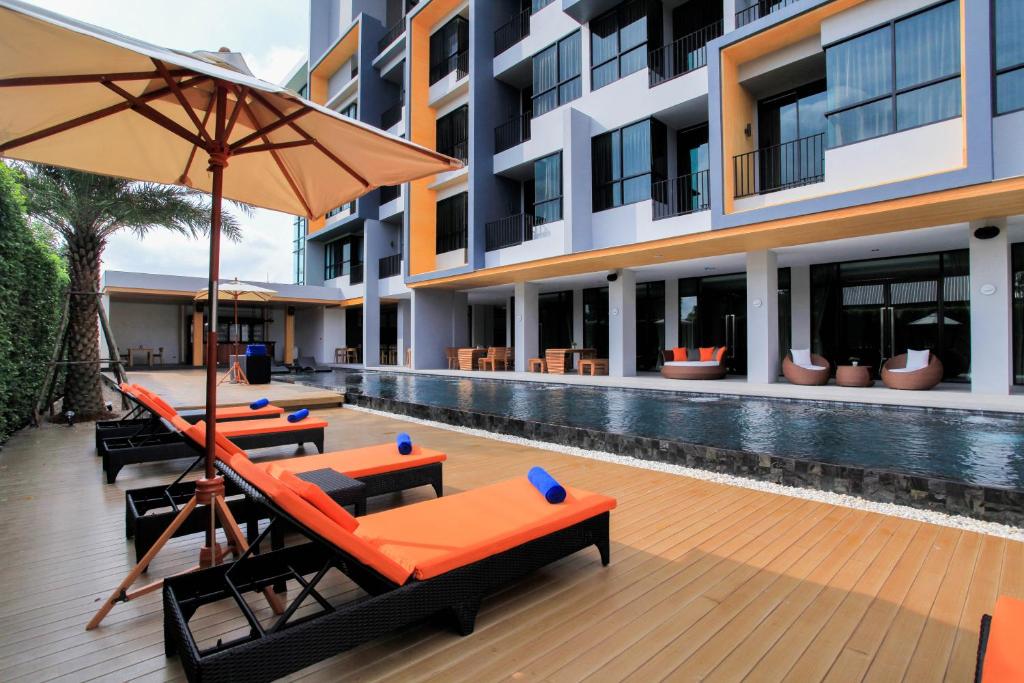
x=613 y=276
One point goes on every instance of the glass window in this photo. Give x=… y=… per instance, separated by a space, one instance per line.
x=619 y=39
x=343 y=257
x=556 y=75
x=452 y=221
x=547 y=188
x=899 y=76
x=351 y=111
x=449 y=50
x=453 y=134
x=1009 y=55
x=595 y=320
x=624 y=161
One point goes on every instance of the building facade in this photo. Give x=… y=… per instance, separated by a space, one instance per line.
x=839 y=175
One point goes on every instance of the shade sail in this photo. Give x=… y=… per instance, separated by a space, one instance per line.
x=238 y=291
x=51 y=70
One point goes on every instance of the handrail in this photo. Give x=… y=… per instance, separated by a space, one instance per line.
x=780 y=167
x=510 y=231
x=511 y=32
x=682 y=195
x=392 y=114
x=459 y=63
x=513 y=132
x=681 y=56
x=391 y=36
x=761 y=8
x=389 y=266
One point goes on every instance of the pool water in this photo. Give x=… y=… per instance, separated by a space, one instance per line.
x=959 y=445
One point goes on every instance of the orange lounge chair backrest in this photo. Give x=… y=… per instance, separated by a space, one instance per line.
x=153 y=402
x=314 y=520
x=197 y=434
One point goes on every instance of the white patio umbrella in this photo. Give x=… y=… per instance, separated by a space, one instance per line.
x=83 y=97
x=237 y=291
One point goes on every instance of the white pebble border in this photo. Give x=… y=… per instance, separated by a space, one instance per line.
x=840 y=499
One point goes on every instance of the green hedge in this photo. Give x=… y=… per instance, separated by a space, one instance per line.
x=32 y=284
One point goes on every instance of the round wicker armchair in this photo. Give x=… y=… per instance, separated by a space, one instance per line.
x=918 y=380
x=669 y=371
x=796 y=374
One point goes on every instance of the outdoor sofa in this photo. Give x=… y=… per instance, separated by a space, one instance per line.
x=814 y=370
x=684 y=363
x=896 y=375
x=169 y=444
x=150 y=510
x=309 y=364
x=441 y=557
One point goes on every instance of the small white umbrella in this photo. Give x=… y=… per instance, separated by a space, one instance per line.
x=238 y=291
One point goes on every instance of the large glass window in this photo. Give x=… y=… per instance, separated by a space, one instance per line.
x=453 y=134
x=595 y=320
x=896 y=77
x=618 y=40
x=556 y=75
x=554 y=312
x=351 y=111
x=625 y=162
x=343 y=257
x=449 y=50
x=299 y=250
x=1009 y=55
x=452 y=222
x=547 y=188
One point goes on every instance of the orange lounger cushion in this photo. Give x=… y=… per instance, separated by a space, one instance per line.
x=358 y=462
x=1004 y=658
x=267 y=426
x=436 y=536
x=235 y=412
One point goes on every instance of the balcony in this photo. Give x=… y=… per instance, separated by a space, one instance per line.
x=760 y=8
x=350 y=207
x=389 y=193
x=391 y=36
x=513 y=132
x=389 y=266
x=392 y=115
x=517 y=28
x=682 y=56
x=458 y=150
x=355 y=275
x=457 y=63
x=780 y=167
x=679 y=196
x=510 y=231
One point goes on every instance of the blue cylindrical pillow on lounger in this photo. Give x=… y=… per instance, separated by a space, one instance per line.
x=404 y=442
x=299 y=415
x=259 y=403
x=552 y=491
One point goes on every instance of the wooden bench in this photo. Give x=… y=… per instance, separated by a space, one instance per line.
x=593 y=366
x=538 y=365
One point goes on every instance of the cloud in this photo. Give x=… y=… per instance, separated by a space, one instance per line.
x=275 y=63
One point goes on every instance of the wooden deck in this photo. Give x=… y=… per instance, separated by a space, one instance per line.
x=187 y=389
x=706 y=582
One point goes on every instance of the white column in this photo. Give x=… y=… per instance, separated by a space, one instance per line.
x=991 y=311
x=577 y=316
x=671 y=313
x=510 y=316
x=527 y=323
x=800 y=307
x=404 y=328
x=729 y=15
x=762 y=317
x=622 y=325
x=375 y=242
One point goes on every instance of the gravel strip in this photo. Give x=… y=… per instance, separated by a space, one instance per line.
x=927 y=516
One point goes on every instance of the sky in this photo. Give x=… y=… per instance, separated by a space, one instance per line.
x=272 y=36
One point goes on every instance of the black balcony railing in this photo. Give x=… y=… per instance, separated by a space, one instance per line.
x=517 y=28
x=391 y=36
x=681 y=56
x=355 y=274
x=513 y=132
x=389 y=266
x=760 y=8
x=459 y=63
x=679 y=196
x=780 y=167
x=389 y=193
x=510 y=231
x=350 y=207
x=458 y=150
x=392 y=115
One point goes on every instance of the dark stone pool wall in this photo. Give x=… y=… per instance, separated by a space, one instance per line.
x=988 y=503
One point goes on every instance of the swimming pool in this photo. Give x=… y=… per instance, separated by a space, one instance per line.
x=976 y=449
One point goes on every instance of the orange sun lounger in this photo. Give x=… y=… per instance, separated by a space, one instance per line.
x=1000 y=659
x=381 y=468
x=441 y=556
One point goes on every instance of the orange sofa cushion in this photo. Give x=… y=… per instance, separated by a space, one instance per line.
x=318 y=498
x=318 y=523
x=1004 y=659
x=707 y=353
x=720 y=353
x=359 y=462
x=271 y=425
x=436 y=536
x=679 y=354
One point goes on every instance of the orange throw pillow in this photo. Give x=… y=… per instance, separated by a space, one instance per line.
x=707 y=353
x=315 y=496
x=679 y=354
x=720 y=354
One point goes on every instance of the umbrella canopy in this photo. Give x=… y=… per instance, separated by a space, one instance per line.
x=83 y=97
x=238 y=291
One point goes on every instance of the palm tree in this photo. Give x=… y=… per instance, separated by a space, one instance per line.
x=85 y=210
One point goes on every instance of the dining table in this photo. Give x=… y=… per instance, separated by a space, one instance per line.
x=140 y=350
x=560 y=361
x=469 y=358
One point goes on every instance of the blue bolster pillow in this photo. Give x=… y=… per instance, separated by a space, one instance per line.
x=404 y=442
x=299 y=415
x=553 y=492
x=259 y=403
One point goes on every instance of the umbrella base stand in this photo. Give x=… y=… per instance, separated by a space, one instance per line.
x=209 y=492
x=235 y=375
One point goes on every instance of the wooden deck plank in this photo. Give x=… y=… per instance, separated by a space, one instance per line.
x=706 y=581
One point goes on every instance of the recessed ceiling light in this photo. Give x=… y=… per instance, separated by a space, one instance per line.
x=709 y=268
x=875 y=250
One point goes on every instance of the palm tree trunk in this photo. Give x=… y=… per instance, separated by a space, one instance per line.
x=83 y=391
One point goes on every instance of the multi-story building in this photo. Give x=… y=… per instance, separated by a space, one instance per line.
x=844 y=175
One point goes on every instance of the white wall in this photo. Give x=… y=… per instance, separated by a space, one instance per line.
x=1008 y=145
x=309 y=332
x=547 y=241
x=149 y=324
x=546 y=26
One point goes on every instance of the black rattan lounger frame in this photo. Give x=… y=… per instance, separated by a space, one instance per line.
x=288 y=644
